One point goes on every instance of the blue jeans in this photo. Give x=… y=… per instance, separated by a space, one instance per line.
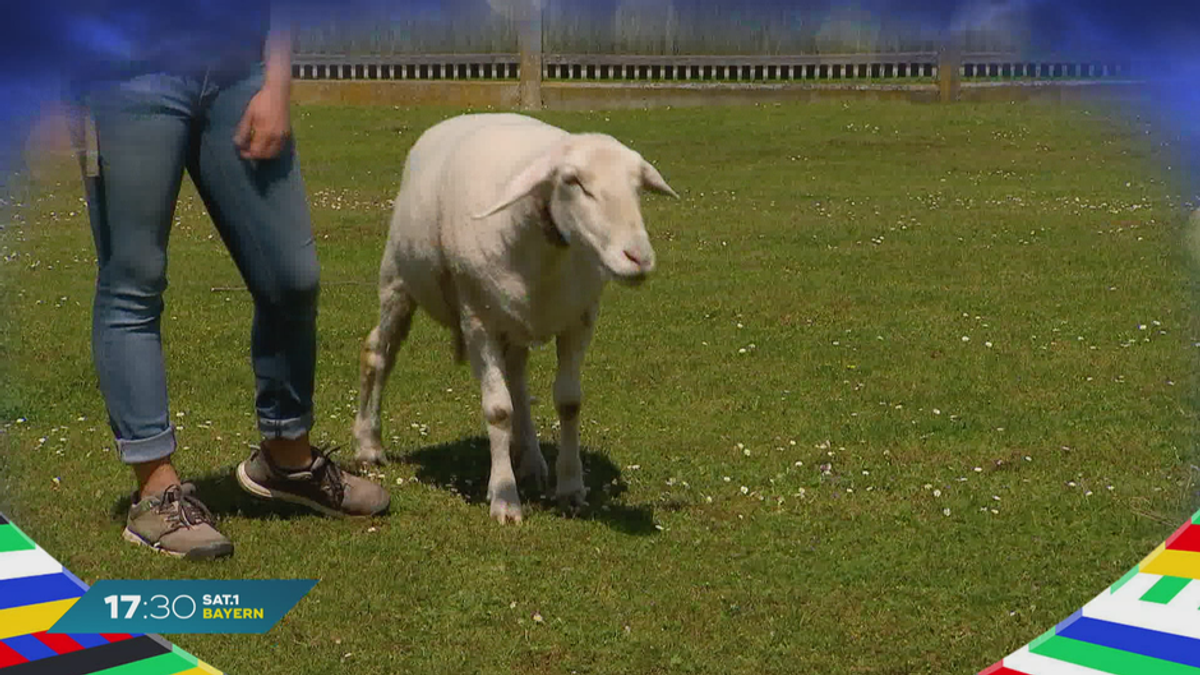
x=149 y=129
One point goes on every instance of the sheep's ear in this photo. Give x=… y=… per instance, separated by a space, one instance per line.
x=653 y=181
x=538 y=173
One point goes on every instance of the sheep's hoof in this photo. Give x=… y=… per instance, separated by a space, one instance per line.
x=505 y=504
x=572 y=501
x=370 y=456
x=502 y=512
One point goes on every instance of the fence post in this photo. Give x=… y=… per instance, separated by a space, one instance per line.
x=529 y=41
x=949 y=64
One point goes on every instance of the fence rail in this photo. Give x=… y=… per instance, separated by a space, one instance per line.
x=597 y=67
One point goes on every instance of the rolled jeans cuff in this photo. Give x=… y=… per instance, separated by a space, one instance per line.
x=142 y=450
x=289 y=429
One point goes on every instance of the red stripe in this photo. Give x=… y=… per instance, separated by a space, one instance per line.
x=115 y=637
x=60 y=643
x=9 y=656
x=1000 y=669
x=1186 y=539
x=1176 y=533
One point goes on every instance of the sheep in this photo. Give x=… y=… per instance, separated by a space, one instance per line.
x=506 y=230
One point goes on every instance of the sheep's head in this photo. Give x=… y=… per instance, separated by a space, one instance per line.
x=591 y=186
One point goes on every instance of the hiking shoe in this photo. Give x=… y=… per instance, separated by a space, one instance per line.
x=322 y=486
x=175 y=522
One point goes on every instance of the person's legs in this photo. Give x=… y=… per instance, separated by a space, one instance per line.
x=143 y=127
x=261 y=210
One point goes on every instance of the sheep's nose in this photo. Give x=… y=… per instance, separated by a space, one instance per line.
x=642 y=258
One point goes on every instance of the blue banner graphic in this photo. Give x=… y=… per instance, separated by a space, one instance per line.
x=183 y=606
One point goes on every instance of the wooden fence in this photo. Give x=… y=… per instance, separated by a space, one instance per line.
x=897 y=66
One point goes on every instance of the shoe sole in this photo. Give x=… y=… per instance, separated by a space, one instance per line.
x=210 y=552
x=263 y=492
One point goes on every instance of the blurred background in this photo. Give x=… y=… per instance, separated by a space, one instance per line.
x=40 y=43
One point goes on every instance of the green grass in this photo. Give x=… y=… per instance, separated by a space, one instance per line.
x=964 y=405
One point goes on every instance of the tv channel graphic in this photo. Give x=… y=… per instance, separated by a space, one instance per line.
x=37 y=592
x=183 y=606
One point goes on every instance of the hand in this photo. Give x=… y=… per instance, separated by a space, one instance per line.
x=265 y=125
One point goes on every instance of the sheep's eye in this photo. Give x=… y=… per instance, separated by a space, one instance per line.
x=573 y=181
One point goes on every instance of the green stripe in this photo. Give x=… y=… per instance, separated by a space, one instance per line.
x=1107 y=659
x=184 y=655
x=1196 y=518
x=12 y=539
x=163 y=664
x=1165 y=590
x=1041 y=639
x=1123 y=580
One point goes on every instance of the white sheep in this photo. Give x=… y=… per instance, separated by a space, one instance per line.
x=506 y=230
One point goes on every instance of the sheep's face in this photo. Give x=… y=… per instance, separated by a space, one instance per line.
x=591 y=185
x=595 y=203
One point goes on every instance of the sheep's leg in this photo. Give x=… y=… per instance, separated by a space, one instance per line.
x=568 y=397
x=531 y=464
x=487 y=363
x=396 y=309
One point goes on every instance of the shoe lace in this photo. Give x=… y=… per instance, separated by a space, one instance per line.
x=182 y=509
x=328 y=473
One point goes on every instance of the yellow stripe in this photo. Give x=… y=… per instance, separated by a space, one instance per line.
x=1184 y=564
x=205 y=669
x=1150 y=558
x=198 y=671
x=32 y=618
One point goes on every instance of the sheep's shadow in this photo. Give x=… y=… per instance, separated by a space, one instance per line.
x=462 y=467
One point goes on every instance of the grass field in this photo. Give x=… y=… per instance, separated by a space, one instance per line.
x=912 y=385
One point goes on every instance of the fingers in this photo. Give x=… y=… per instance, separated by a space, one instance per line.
x=273 y=145
x=264 y=146
x=262 y=131
x=258 y=144
x=241 y=135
